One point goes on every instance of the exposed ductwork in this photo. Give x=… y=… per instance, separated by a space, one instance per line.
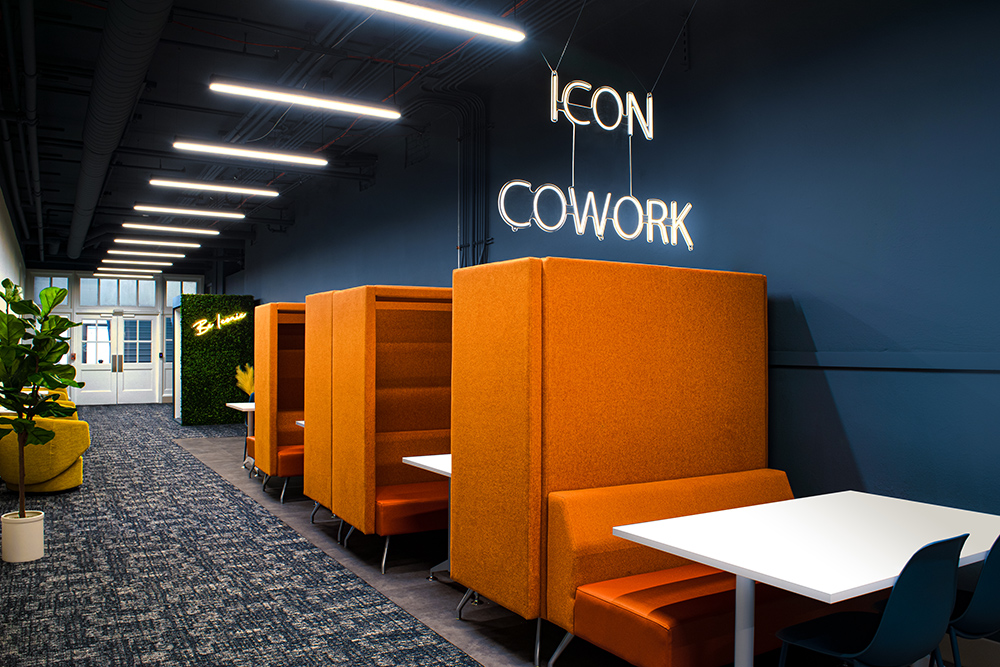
x=131 y=33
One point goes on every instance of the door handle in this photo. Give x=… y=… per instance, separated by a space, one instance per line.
x=121 y=363
x=114 y=363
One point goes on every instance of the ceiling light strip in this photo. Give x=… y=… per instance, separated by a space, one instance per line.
x=169 y=228
x=137 y=262
x=232 y=151
x=172 y=244
x=143 y=253
x=120 y=269
x=212 y=187
x=125 y=275
x=201 y=212
x=291 y=96
x=439 y=17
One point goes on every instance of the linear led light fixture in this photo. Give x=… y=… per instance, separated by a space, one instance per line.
x=169 y=228
x=124 y=275
x=200 y=212
x=143 y=253
x=136 y=262
x=120 y=269
x=293 y=96
x=246 y=153
x=439 y=17
x=212 y=187
x=172 y=244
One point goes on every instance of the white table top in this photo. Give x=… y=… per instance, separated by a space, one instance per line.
x=830 y=547
x=242 y=407
x=439 y=463
x=301 y=422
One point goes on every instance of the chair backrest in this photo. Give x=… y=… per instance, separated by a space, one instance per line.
x=919 y=607
x=982 y=615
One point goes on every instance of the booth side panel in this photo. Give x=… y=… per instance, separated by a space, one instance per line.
x=318 y=455
x=496 y=432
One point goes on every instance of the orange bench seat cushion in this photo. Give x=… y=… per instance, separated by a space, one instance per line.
x=411 y=508
x=290 y=460
x=685 y=616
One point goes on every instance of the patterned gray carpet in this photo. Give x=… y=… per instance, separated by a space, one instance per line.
x=156 y=560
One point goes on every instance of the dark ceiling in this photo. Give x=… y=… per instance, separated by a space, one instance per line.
x=93 y=94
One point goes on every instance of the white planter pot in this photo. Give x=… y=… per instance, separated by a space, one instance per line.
x=23 y=539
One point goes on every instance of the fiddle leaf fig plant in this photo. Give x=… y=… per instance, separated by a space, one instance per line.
x=32 y=345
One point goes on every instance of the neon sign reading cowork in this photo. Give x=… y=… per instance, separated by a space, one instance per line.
x=203 y=326
x=654 y=216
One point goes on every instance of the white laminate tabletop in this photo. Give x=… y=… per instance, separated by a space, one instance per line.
x=830 y=547
x=242 y=407
x=439 y=463
x=301 y=422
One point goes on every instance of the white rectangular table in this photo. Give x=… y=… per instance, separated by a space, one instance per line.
x=440 y=464
x=831 y=547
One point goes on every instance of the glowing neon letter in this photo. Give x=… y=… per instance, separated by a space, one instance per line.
x=562 y=201
x=501 y=201
x=202 y=327
x=589 y=211
x=572 y=85
x=645 y=122
x=618 y=100
x=554 y=97
x=656 y=220
x=677 y=222
x=614 y=218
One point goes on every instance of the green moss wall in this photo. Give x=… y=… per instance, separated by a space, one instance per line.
x=209 y=360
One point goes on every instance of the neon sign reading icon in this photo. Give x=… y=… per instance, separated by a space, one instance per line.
x=655 y=216
x=203 y=326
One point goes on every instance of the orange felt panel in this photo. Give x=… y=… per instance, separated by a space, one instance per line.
x=651 y=372
x=411 y=508
x=496 y=432
x=582 y=550
x=390 y=448
x=252 y=445
x=318 y=387
x=354 y=407
x=392 y=395
x=279 y=370
x=685 y=616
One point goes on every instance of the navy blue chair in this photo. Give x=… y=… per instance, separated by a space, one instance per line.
x=914 y=622
x=977 y=613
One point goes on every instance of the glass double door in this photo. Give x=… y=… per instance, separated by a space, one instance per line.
x=116 y=358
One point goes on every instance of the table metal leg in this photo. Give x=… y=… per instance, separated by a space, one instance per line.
x=743 y=654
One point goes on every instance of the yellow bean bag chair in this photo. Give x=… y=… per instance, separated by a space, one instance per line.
x=55 y=466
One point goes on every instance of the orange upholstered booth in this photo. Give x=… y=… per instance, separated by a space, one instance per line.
x=279 y=395
x=391 y=398
x=318 y=460
x=575 y=374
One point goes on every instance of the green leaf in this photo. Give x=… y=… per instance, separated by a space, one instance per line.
x=39 y=435
x=50 y=297
x=11 y=329
x=25 y=308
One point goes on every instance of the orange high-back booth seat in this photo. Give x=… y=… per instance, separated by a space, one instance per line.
x=279 y=394
x=575 y=374
x=318 y=461
x=391 y=398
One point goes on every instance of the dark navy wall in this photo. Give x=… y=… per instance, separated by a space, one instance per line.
x=847 y=150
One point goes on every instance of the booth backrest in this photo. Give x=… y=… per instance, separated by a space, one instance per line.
x=318 y=455
x=279 y=377
x=391 y=391
x=572 y=374
x=582 y=550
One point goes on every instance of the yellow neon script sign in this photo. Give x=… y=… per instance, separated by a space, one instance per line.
x=202 y=327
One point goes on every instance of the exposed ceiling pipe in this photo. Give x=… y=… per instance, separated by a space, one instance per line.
x=131 y=33
x=31 y=112
x=8 y=158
